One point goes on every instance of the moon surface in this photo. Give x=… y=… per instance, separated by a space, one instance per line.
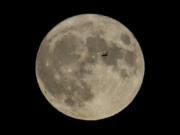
x=90 y=67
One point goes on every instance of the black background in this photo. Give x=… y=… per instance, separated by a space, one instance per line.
x=30 y=110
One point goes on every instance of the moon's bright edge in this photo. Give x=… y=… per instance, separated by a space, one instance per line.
x=90 y=67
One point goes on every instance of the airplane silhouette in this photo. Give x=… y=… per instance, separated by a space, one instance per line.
x=105 y=54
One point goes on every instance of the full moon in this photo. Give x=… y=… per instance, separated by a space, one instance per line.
x=89 y=67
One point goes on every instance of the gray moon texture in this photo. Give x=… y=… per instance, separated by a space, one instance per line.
x=90 y=67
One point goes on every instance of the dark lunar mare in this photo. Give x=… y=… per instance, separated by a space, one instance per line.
x=96 y=44
x=63 y=52
x=130 y=58
x=99 y=45
x=46 y=72
x=125 y=39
